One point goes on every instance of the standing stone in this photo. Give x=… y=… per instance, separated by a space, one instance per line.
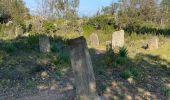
x=28 y=26
x=118 y=39
x=153 y=43
x=94 y=40
x=83 y=69
x=44 y=44
x=19 y=31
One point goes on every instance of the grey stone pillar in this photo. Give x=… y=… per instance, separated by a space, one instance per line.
x=83 y=69
x=44 y=44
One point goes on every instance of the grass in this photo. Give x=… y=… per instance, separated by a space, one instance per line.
x=23 y=66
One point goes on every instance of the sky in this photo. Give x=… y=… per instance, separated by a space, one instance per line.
x=86 y=8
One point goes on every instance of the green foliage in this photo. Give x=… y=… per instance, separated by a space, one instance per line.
x=102 y=22
x=109 y=57
x=166 y=91
x=88 y=29
x=62 y=58
x=126 y=74
x=123 y=52
x=48 y=26
x=14 y=9
x=130 y=72
x=10 y=47
x=121 y=60
x=33 y=39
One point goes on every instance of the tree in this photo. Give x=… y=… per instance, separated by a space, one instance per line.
x=60 y=8
x=15 y=9
x=165 y=9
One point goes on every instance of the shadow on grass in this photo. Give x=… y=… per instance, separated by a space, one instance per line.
x=143 y=30
x=148 y=76
x=20 y=60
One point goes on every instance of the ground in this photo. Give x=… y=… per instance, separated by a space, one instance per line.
x=21 y=68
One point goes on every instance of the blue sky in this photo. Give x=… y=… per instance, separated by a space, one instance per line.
x=87 y=7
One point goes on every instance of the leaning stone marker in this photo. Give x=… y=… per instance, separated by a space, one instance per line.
x=94 y=40
x=118 y=39
x=44 y=44
x=83 y=70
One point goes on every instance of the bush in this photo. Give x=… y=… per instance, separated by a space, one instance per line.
x=57 y=47
x=126 y=74
x=48 y=27
x=121 y=60
x=33 y=40
x=123 y=52
x=62 y=58
x=131 y=72
x=166 y=91
x=10 y=47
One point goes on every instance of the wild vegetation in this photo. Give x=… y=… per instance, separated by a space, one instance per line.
x=130 y=72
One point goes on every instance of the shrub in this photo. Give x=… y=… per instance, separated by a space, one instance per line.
x=48 y=26
x=10 y=47
x=121 y=60
x=123 y=52
x=56 y=47
x=131 y=72
x=33 y=40
x=166 y=91
x=126 y=74
x=62 y=58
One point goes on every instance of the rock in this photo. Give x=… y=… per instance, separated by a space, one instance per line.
x=128 y=97
x=44 y=74
x=153 y=43
x=53 y=87
x=9 y=23
x=114 y=84
x=42 y=87
x=145 y=46
x=44 y=44
x=131 y=80
x=118 y=39
x=108 y=90
x=94 y=40
x=70 y=87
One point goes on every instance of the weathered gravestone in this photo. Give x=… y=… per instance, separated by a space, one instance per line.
x=94 y=40
x=83 y=70
x=44 y=44
x=118 y=39
x=19 y=31
x=152 y=44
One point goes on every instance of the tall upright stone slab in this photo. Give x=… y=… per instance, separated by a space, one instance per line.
x=153 y=43
x=83 y=70
x=94 y=39
x=118 y=39
x=19 y=31
x=44 y=44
